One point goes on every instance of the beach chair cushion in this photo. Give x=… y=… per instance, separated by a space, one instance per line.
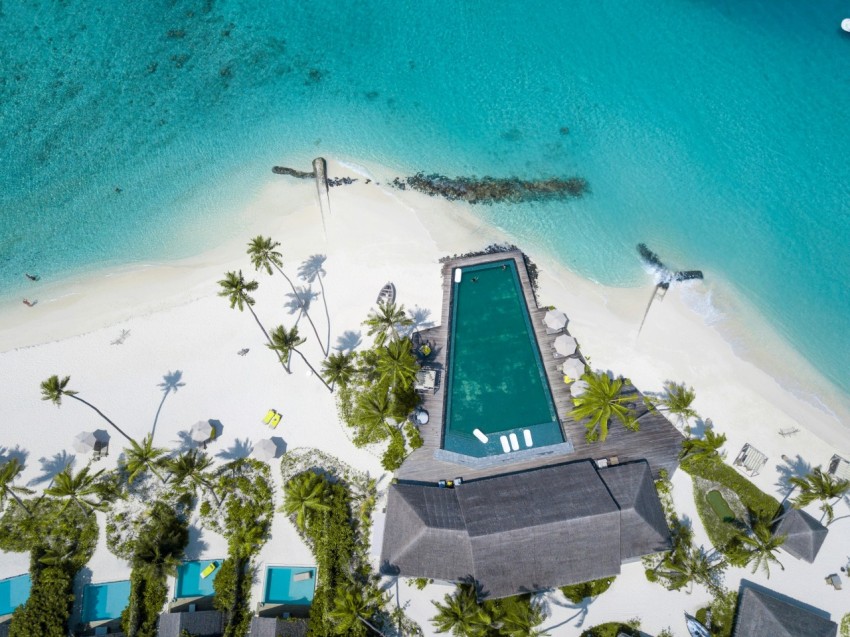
x=209 y=570
x=275 y=421
x=269 y=415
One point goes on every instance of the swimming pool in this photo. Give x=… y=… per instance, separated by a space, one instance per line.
x=496 y=383
x=189 y=580
x=14 y=591
x=105 y=601
x=290 y=585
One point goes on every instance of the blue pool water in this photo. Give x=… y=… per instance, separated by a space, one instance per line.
x=281 y=588
x=189 y=580
x=14 y=591
x=105 y=601
x=713 y=131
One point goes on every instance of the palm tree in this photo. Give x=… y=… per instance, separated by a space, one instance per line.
x=823 y=486
x=79 y=489
x=397 y=364
x=677 y=400
x=311 y=270
x=171 y=382
x=385 y=321
x=756 y=545
x=339 y=368
x=9 y=472
x=354 y=604
x=284 y=342
x=461 y=615
x=191 y=468
x=601 y=402
x=520 y=617
x=705 y=447
x=54 y=388
x=305 y=495
x=138 y=458
x=263 y=256
x=371 y=416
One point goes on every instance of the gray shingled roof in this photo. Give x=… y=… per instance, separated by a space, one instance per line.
x=643 y=527
x=525 y=531
x=805 y=535
x=761 y=614
x=203 y=623
x=274 y=627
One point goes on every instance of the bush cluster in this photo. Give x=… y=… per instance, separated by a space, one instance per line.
x=577 y=592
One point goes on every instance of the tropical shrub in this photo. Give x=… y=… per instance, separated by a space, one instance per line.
x=722 y=609
x=395 y=453
x=611 y=629
x=46 y=612
x=577 y=592
x=462 y=613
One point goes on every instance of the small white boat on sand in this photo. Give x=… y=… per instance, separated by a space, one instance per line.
x=845 y=25
x=387 y=294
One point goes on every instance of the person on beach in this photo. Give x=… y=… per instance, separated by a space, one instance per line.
x=31 y=277
x=28 y=303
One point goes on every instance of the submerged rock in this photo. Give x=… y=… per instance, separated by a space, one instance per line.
x=489 y=190
x=298 y=174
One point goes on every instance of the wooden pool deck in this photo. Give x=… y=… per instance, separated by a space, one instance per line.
x=658 y=441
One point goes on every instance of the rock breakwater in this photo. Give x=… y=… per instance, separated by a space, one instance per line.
x=488 y=190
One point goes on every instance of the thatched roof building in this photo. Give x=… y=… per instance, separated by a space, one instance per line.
x=804 y=534
x=761 y=613
x=526 y=531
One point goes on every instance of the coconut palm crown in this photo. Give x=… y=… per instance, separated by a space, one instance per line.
x=819 y=485
x=54 y=388
x=603 y=401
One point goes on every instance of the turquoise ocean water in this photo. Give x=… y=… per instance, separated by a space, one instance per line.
x=715 y=131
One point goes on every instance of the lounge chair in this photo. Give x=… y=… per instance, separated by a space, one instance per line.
x=526 y=436
x=275 y=421
x=514 y=442
x=303 y=576
x=834 y=580
x=209 y=570
x=269 y=415
x=506 y=447
x=426 y=380
x=480 y=435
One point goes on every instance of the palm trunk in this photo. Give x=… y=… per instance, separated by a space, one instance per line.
x=19 y=501
x=303 y=308
x=102 y=415
x=315 y=373
x=268 y=338
x=327 y=347
x=371 y=626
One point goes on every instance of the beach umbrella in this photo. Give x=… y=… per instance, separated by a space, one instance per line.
x=264 y=450
x=85 y=441
x=565 y=345
x=573 y=368
x=555 y=319
x=578 y=388
x=201 y=431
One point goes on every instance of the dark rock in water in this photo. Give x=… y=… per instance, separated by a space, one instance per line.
x=488 y=190
x=666 y=274
x=298 y=174
x=340 y=181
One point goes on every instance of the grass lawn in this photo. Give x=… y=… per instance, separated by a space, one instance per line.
x=713 y=474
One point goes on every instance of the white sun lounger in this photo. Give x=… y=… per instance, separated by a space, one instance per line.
x=505 y=446
x=526 y=436
x=480 y=435
x=458 y=275
x=514 y=441
x=303 y=576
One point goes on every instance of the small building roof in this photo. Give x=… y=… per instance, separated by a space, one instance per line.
x=805 y=534
x=525 y=531
x=761 y=613
x=275 y=627
x=203 y=623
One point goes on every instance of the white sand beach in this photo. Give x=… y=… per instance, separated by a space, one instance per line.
x=174 y=321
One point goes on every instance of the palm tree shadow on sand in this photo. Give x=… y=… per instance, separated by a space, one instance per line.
x=312 y=269
x=300 y=302
x=16 y=453
x=171 y=382
x=790 y=468
x=196 y=546
x=421 y=320
x=238 y=450
x=349 y=341
x=52 y=466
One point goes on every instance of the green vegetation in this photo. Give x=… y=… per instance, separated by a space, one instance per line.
x=463 y=615
x=722 y=609
x=244 y=519
x=157 y=551
x=611 y=629
x=820 y=486
x=677 y=400
x=603 y=401
x=577 y=592
x=60 y=540
x=685 y=564
x=376 y=392
x=420 y=582
x=845 y=625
